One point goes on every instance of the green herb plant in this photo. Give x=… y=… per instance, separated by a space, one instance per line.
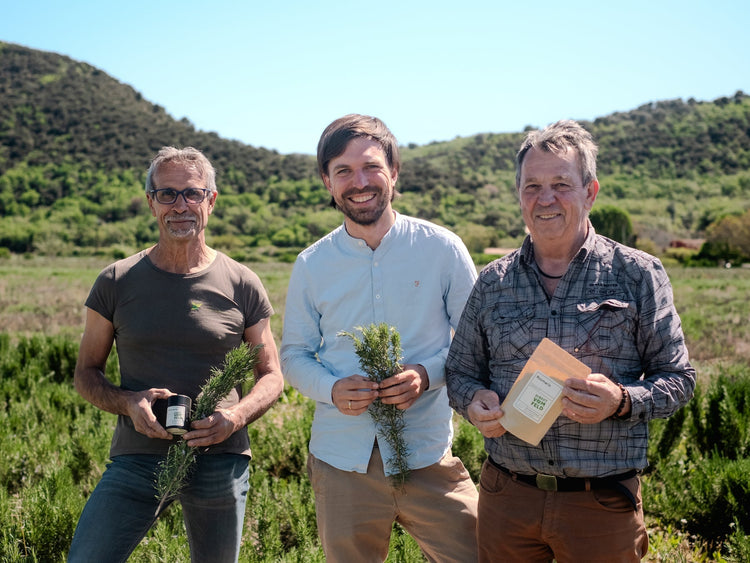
x=379 y=352
x=175 y=469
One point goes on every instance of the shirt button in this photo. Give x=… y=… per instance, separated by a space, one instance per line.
x=375 y=264
x=377 y=296
x=553 y=313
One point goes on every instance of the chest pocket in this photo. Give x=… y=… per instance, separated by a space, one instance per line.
x=509 y=332
x=605 y=327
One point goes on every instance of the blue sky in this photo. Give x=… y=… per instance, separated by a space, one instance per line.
x=274 y=74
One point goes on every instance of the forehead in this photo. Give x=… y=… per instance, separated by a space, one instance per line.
x=540 y=164
x=178 y=175
x=360 y=149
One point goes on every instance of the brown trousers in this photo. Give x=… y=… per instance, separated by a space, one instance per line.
x=356 y=511
x=519 y=522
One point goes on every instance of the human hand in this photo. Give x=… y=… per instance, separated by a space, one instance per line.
x=139 y=408
x=215 y=428
x=352 y=395
x=590 y=400
x=485 y=413
x=405 y=387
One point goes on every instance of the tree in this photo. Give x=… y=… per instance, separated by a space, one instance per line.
x=614 y=223
x=729 y=236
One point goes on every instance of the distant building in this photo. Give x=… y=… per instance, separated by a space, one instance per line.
x=691 y=243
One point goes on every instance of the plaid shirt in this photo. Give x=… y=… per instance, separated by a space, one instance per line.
x=613 y=310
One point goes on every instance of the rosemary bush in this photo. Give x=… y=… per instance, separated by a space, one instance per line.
x=176 y=467
x=379 y=352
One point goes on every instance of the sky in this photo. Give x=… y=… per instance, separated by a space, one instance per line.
x=274 y=74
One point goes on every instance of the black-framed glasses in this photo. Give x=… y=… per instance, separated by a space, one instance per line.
x=168 y=196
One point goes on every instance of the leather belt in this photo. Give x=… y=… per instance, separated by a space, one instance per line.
x=566 y=484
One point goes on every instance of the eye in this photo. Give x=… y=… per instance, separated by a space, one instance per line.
x=166 y=196
x=194 y=195
x=530 y=188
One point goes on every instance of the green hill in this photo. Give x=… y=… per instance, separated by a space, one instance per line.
x=74 y=145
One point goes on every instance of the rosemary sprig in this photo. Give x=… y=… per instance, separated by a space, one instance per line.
x=379 y=352
x=174 y=470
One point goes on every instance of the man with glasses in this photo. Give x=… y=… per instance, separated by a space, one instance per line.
x=174 y=310
x=576 y=495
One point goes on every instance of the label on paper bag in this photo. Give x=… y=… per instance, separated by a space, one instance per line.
x=538 y=395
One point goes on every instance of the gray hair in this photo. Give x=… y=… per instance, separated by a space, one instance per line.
x=188 y=156
x=558 y=138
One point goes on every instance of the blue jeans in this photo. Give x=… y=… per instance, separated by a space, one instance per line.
x=121 y=509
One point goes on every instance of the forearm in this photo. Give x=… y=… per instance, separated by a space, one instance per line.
x=465 y=375
x=93 y=386
x=668 y=379
x=264 y=394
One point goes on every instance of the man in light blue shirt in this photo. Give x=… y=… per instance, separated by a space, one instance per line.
x=379 y=267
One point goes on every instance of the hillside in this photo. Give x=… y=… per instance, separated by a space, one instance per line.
x=55 y=109
x=74 y=144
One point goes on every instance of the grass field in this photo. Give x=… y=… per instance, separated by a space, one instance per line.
x=52 y=459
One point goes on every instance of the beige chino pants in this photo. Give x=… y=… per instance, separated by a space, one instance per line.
x=356 y=511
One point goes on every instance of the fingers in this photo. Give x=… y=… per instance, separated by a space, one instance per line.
x=140 y=411
x=213 y=429
x=487 y=421
x=590 y=400
x=485 y=413
x=352 y=395
x=404 y=388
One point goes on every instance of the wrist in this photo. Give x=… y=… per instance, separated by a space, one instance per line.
x=623 y=408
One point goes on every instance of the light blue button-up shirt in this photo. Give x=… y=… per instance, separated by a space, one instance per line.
x=417 y=280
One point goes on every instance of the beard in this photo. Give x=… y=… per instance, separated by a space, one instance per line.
x=181 y=227
x=364 y=217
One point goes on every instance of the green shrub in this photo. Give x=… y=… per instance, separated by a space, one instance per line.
x=699 y=482
x=468 y=445
x=709 y=498
x=721 y=417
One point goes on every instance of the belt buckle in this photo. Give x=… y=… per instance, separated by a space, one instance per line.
x=546 y=482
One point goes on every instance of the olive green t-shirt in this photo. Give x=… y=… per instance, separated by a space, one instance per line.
x=171 y=329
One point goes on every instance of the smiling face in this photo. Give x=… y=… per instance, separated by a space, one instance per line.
x=180 y=221
x=554 y=202
x=362 y=184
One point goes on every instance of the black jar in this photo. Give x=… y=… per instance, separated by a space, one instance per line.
x=178 y=414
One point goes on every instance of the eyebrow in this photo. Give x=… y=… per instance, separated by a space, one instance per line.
x=567 y=178
x=366 y=163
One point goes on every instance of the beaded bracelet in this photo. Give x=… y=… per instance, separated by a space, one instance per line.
x=623 y=400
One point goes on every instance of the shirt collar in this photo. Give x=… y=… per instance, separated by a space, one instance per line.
x=527 y=249
x=359 y=245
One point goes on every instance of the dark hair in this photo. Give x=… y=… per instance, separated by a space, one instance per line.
x=559 y=137
x=336 y=137
x=189 y=156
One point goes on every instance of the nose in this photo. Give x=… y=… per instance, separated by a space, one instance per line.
x=360 y=178
x=546 y=195
x=181 y=202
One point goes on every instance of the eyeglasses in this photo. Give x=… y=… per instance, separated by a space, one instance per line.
x=168 y=196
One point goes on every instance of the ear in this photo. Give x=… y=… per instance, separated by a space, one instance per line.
x=327 y=182
x=592 y=190
x=151 y=205
x=212 y=202
x=394 y=176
